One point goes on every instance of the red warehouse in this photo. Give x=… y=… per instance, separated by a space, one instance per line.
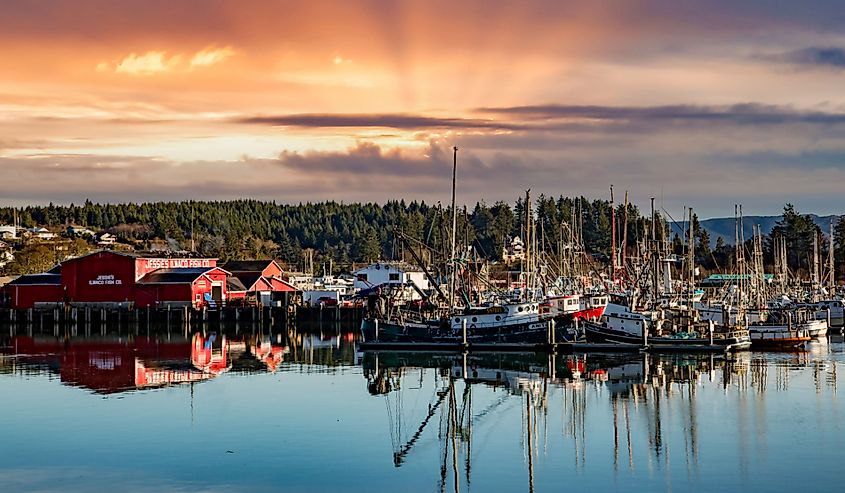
x=117 y=278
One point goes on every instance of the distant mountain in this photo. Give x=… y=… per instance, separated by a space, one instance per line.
x=725 y=226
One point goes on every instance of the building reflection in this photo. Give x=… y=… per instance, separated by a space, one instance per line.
x=110 y=365
x=113 y=360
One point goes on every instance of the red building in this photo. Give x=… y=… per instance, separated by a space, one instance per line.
x=27 y=291
x=258 y=280
x=192 y=286
x=122 y=279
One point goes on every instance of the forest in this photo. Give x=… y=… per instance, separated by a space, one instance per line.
x=346 y=233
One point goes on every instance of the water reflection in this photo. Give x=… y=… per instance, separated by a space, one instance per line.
x=463 y=422
x=117 y=361
x=650 y=404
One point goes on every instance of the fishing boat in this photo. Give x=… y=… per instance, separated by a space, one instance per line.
x=786 y=328
x=664 y=330
x=832 y=308
x=499 y=322
x=568 y=308
x=765 y=336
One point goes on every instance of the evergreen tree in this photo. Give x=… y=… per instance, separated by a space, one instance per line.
x=368 y=246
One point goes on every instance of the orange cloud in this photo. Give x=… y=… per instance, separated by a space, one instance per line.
x=156 y=62
x=151 y=62
x=210 y=56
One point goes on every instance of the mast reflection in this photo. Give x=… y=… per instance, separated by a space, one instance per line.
x=647 y=405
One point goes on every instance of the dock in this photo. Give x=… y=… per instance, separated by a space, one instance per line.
x=560 y=347
x=495 y=347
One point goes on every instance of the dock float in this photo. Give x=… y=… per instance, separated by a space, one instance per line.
x=496 y=347
x=561 y=347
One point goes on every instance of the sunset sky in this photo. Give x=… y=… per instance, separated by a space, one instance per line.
x=703 y=104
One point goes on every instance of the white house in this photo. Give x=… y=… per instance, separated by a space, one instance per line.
x=6 y=254
x=395 y=274
x=514 y=251
x=79 y=231
x=42 y=233
x=8 y=232
x=106 y=239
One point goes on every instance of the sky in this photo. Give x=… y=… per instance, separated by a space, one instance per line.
x=698 y=104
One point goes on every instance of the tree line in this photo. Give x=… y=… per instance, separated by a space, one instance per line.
x=366 y=232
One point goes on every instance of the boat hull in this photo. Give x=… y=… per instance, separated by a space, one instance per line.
x=778 y=336
x=596 y=332
x=817 y=328
x=536 y=332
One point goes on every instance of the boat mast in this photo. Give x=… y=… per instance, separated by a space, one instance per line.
x=655 y=253
x=815 y=264
x=526 y=262
x=454 y=230
x=612 y=239
x=624 y=233
x=737 y=256
x=691 y=281
x=830 y=266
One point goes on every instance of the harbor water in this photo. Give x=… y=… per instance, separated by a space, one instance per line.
x=109 y=410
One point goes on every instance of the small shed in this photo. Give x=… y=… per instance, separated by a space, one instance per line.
x=193 y=286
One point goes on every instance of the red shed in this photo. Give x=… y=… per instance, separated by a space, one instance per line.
x=196 y=286
x=25 y=291
x=260 y=278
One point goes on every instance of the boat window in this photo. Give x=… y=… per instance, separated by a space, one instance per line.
x=474 y=319
x=498 y=318
x=519 y=309
x=457 y=320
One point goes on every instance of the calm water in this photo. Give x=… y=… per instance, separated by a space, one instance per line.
x=307 y=412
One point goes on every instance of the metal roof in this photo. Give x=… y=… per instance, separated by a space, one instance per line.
x=734 y=277
x=234 y=284
x=248 y=265
x=37 y=279
x=248 y=279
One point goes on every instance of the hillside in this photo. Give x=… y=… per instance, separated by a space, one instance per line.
x=725 y=226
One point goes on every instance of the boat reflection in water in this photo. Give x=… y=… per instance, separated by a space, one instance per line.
x=643 y=408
